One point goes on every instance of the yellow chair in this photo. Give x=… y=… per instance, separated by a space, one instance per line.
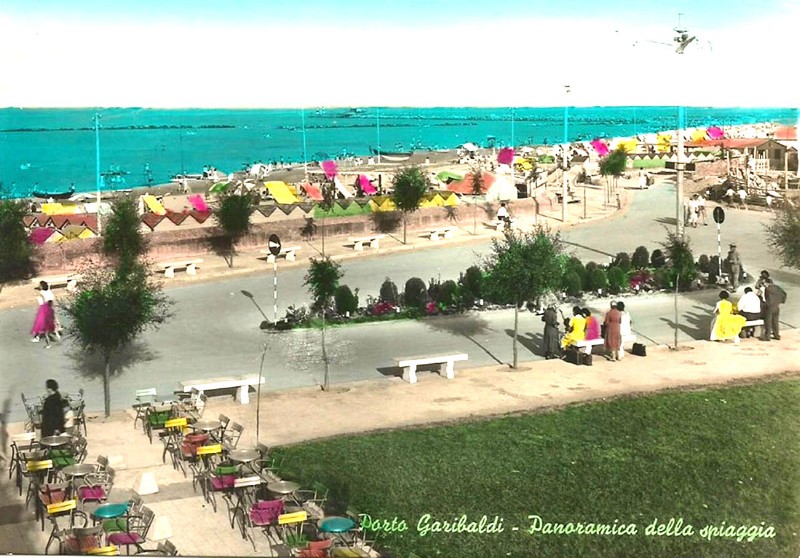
x=108 y=550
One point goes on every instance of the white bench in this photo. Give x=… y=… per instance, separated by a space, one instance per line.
x=189 y=265
x=68 y=281
x=409 y=365
x=372 y=240
x=243 y=384
x=290 y=253
x=446 y=232
x=499 y=224
x=754 y=323
x=587 y=345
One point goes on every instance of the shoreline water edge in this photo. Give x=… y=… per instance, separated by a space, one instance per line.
x=52 y=150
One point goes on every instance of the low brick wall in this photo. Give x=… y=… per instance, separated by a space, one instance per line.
x=197 y=241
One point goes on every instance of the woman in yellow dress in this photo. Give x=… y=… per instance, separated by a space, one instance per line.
x=576 y=329
x=726 y=325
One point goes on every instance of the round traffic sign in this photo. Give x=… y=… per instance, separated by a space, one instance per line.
x=719 y=215
x=275 y=244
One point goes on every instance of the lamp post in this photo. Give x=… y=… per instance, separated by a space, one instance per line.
x=97 y=168
x=679 y=181
x=378 y=124
x=249 y=295
x=564 y=156
x=305 y=148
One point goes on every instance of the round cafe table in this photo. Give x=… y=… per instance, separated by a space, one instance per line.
x=109 y=511
x=206 y=425
x=244 y=455
x=336 y=524
x=56 y=441
x=79 y=469
x=283 y=487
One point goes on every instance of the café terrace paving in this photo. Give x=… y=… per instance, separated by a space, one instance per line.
x=474 y=392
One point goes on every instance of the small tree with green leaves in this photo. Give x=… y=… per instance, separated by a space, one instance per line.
x=326 y=205
x=388 y=292
x=641 y=258
x=613 y=165
x=322 y=280
x=523 y=266
x=110 y=309
x=783 y=235
x=476 y=178
x=123 y=240
x=410 y=185
x=233 y=217
x=681 y=267
x=15 y=247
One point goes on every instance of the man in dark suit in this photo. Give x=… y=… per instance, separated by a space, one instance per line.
x=774 y=296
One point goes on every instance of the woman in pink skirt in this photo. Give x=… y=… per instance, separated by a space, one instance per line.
x=45 y=322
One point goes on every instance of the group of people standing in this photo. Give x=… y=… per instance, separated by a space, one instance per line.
x=583 y=325
x=695 y=211
x=45 y=324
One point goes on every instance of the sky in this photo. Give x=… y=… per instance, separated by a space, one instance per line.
x=313 y=53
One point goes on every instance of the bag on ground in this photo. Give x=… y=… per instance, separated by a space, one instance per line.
x=639 y=349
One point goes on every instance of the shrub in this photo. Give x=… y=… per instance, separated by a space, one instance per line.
x=662 y=278
x=713 y=269
x=587 y=279
x=576 y=266
x=389 y=292
x=597 y=279
x=658 y=259
x=415 y=294
x=433 y=289
x=572 y=284
x=471 y=284
x=381 y=308
x=345 y=300
x=448 y=293
x=704 y=263
x=641 y=258
x=617 y=280
x=622 y=261
x=641 y=280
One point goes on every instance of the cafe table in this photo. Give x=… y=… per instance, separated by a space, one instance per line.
x=109 y=511
x=78 y=470
x=337 y=526
x=206 y=425
x=56 y=441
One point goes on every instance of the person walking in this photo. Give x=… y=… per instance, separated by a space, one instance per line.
x=701 y=209
x=52 y=410
x=625 y=330
x=774 y=297
x=613 y=340
x=734 y=262
x=44 y=323
x=551 y=341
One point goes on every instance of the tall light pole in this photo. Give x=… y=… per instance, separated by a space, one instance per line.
x=378 y=123
x=97 y=168
x=305 y=149
x=682 y=39
x=564 y=156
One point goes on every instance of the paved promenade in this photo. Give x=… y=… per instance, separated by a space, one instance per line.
x=304 y=414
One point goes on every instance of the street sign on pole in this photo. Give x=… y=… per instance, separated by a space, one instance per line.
x=274 y=244
x=719 y=218
x=719 y=215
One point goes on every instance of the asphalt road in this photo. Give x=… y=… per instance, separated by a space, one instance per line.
x=215 y=328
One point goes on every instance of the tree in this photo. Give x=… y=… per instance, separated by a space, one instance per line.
x=322 y=280
x=123 y=240
x=523 y=266
x=110 y=309
x=233 y=216
x=783 y=235
x=681 y=266
x=476 y=177
x=613 y=165
x=410 y=185
x=15 y=247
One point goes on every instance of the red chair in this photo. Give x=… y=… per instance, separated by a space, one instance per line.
x=316 y=549
x=263 y=515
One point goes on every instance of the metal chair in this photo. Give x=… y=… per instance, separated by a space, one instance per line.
x=62 y=516
x=144 y=400
x=262 y=514
x=171 y=437
x=156 y=419
x=32 y=408
x=232 y=435
x=136 y=534
x=87 y=540
x=95 y=487
x=20 y=443
x=164 y=548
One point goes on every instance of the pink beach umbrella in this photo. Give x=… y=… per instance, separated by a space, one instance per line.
x=366 y=185
x=600 y=146
x=505 y=156
x=198 y=203
x=715 y=133
x=330 y=169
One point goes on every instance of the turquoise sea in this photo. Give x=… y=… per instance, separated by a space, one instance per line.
x=49 y=149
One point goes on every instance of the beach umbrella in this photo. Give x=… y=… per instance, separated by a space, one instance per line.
x=448 y=176
x=330 y=169
x=699 y=135
x=600 y=146
x=715 y=133
x=663 y=142
x=629 y=145
x=219 y=187
x=505 y=156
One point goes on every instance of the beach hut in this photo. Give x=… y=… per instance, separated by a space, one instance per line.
x=279 y=190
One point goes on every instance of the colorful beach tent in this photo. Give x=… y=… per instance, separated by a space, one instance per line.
x=629 y=145
x=279 y=190
x=219 y=187
x=600 y=146
x=714 y=133
x=39 y=235
x=341 y=189
x=312 y=191
x=663 y=142
x=465 y=186
x=59 y=209
x=448 y=176
x=700 y=134
x=198 y=203
x=366 y=185
x=153 y=204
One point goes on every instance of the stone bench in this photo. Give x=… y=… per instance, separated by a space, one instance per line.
x=445 y=232
x=499 y=224
x=290 y=253
x=588 y=344
x=409 y=364
x=69 y=281
x=189 y=265
x=373 y=241
x=242 y=383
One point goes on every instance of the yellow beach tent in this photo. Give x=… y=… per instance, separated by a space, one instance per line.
x=699 y=135
x=280 y=192
x=663 y=142
x=153 y=204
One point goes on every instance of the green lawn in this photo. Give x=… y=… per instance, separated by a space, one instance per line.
x=706 y=457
